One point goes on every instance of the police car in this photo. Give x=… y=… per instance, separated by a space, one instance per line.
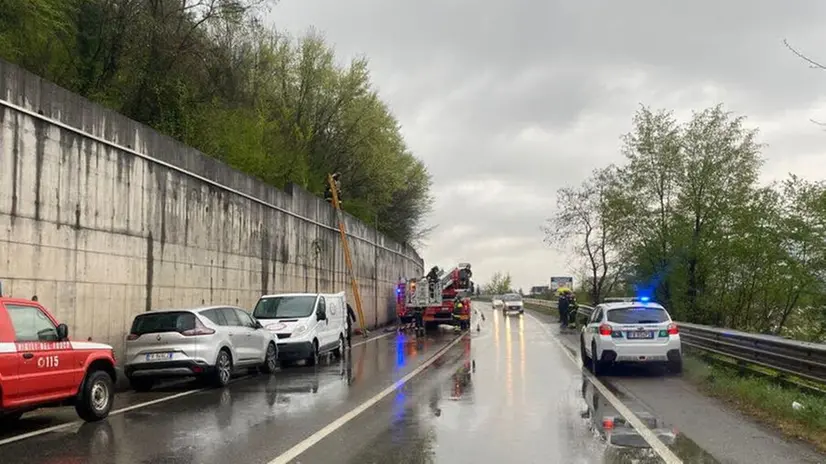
x=635 y=331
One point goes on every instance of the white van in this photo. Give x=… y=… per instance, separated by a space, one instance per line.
x=306 y=324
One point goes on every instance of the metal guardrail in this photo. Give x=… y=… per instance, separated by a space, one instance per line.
x=792 y=357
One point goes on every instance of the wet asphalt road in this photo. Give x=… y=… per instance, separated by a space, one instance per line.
x=507 y=393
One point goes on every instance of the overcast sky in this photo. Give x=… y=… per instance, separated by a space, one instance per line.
x=507 y=101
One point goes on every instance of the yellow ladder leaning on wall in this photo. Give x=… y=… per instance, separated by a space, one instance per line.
x=347 y=258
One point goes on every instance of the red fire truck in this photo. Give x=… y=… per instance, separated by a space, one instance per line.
x=436 y=301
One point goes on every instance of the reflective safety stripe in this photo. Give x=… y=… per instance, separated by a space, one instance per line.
x=90 y=346
x=51 y=346
x=8 y=348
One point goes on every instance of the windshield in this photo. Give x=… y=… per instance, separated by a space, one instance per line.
x=637 y=316
x=511 y=297
x=284 y=307
x=178 y=321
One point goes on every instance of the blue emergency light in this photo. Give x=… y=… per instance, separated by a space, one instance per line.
x=645 y=299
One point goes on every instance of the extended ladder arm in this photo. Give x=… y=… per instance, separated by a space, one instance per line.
x=347 y=259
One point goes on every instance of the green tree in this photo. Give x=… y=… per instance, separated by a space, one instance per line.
x=644 y=201
x=499 y=283
x=686 y=217
x=209 y=73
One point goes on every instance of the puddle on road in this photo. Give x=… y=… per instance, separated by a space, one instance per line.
x=412 y=438
x=624 y=444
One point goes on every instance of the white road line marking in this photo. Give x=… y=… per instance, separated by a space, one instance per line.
x=55 y=428
x=656 y=444
x=374 y=338
x=313 y=439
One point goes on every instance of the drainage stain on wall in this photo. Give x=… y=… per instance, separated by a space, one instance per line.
x=102 y=234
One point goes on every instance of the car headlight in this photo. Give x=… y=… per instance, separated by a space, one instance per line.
x=300 y=330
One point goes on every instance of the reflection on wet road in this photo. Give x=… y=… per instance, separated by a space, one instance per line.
x=252 y=420
x=506 y=393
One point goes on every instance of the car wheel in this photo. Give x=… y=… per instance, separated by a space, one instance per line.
x=95 y=397
x=10 y=420
x=223 y=369
x=270 y=360
x=583 y=354
x=596 y=364
x=675 y=367
x=141 y=384
x=339 y=351
x=313 y=359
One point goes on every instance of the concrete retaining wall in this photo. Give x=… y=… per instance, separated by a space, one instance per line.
x=103 y=218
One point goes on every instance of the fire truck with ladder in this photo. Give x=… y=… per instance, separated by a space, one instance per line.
x=435 y=301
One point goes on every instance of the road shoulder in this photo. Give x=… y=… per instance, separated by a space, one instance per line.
x=727 y=434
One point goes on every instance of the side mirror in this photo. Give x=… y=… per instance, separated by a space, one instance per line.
x=62 y=332
x=256 y=324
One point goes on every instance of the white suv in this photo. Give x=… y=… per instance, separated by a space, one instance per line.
x=636 y=331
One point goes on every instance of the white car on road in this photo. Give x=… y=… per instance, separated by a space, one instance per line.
x=637 y=331
x=512 y=302
x=496 y=302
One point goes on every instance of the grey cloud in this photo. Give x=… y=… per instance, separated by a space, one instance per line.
x=546 y=97
x=536 y=94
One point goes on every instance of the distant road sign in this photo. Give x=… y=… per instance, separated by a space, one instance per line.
x=558 y=282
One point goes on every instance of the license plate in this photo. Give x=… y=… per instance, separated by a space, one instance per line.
x=641 y=334
x=158 y=356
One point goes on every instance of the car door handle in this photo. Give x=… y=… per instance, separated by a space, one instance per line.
x=28 y=355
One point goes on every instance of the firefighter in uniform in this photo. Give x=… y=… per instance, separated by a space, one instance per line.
x=458 y=306
x=563 y=304
x=328 y=194
x=351 y=318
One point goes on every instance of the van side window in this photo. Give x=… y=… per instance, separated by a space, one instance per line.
x=31 y=325
x=322 y=305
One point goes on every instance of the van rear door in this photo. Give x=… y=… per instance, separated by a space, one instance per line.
x=337 y=312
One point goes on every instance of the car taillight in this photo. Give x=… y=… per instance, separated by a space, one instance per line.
x=199 y=329
x=672 y=329
x=132 y=337
x=607 y=423
x=605 y=329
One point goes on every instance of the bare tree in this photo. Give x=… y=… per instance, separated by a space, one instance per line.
x=583 y=221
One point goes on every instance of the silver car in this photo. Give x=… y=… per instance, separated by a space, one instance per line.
x=512 y=302
x=212 y=342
